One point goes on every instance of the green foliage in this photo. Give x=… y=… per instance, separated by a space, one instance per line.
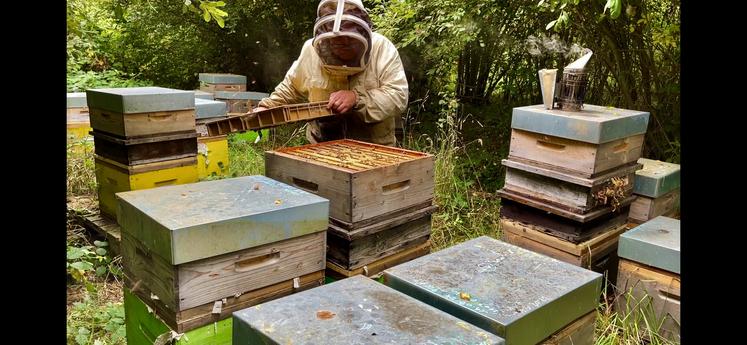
x=81 y=175
x=93 y=322
x=90 y=259
x=79 y=81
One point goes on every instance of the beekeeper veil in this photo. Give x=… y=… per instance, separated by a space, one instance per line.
x=342 y=36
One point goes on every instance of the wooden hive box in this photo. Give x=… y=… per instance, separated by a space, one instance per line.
x=649 y=275
x=76 y=103
x=645 y=208
x=600 y=212
x=658 y=188
x=78 y=122
x=585 y=143
x=212 y=156
x=363 y=181
x=352 y=249
x=356 y=310
x=561 y=227
x=194 y=244
x=78 y=126
x=206 y=109
x=113 y=177
x=145 y=150
x=519 y=295
x=141 y=111
x=204 y=95
x=656 y=178
x=597 y=253
x=212 y=82
x=568 y=192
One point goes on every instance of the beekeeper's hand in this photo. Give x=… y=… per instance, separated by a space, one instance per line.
x=342 y=101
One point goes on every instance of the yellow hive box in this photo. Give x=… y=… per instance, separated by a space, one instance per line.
x=212 y=156
x=113 y=177
x=78 y=126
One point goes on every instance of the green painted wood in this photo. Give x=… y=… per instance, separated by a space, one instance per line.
x=515 y=293
x=656 y=178
x=140 y=99
x=594 y=124
x=221 y=78
x=188 y=222
x=144 y=326
x=655 y=243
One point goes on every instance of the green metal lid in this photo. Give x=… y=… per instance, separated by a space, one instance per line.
x=654 y=243
x=140 y=99
x=222 y=78
x=188 y=222
x=515 y=293
x=594 y=124
x=656 y=178
x=355 y=310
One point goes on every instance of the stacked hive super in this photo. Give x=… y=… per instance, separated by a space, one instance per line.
x=78 y=123
x=569 y=181
x=212 y=157
x=657 y=187
x=649 y=277
x=231 y=90
x=192 y=254
x=380 y=200
x=144 y=137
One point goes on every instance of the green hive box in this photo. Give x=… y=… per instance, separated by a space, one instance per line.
x=594 y=124
x=522 y=296
x=144 y=327
x=656 y=178
x=134 y=100
x=189 y=222
x=355 y=310
x=655 y=243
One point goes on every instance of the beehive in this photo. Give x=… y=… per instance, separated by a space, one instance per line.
x=517 y=294
x=363 y=181
x=585 y=143
x=356 y=310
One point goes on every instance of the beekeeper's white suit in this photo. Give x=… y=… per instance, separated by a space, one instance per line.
x=376 y=76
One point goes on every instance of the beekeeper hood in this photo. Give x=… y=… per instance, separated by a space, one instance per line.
x=342 y=36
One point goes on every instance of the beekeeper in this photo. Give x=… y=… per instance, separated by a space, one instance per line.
x=357 y=70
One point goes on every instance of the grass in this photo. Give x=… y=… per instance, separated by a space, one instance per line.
x=467 y=163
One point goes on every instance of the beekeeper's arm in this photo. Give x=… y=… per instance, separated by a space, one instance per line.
x=390 y=99
x=290 y=90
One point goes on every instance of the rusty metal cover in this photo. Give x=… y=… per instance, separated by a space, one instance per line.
x=188 y=222
x=355 y=310
x=515 y=293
